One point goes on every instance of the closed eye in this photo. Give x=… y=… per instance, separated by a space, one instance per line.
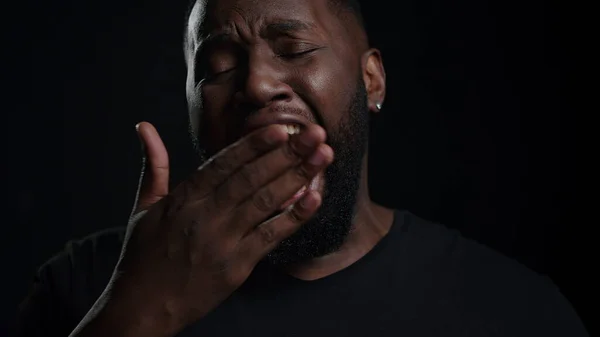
x=209 y=77
x=297 y=54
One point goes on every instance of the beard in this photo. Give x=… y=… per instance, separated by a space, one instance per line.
x=328 y=229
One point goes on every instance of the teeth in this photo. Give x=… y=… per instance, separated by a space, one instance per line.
x=292 y=129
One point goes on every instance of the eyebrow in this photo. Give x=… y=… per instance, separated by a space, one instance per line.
x=285 y=27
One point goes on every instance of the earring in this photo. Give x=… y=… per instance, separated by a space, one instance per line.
x=379 y=106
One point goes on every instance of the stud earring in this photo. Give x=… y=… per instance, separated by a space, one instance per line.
x=379 y=106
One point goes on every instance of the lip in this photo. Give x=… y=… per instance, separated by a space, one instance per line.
x=261 y=120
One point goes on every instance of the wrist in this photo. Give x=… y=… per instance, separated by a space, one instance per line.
x=130 y=312
x=125 y=320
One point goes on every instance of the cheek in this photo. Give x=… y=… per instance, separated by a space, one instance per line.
x=328 y=88
x=215 y=97
x=214 y=131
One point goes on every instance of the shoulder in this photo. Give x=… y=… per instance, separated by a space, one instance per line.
x=85 y=264
x=490 y=286
x=72 y=280
x=81 y=251
x=468 y=260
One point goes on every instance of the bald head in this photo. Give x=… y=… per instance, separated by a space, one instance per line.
x=236 y=38
x=343 y=7
x=348 y=12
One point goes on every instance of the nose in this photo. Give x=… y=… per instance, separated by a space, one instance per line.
x=263 y=84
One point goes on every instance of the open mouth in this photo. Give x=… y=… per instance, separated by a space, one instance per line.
x=292 y=129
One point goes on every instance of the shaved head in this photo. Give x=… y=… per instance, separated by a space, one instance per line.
x=348 y=11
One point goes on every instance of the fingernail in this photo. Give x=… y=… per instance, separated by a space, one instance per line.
x=307 y=201
x=137 y=131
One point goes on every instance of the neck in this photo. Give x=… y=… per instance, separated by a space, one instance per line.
x=371 y=223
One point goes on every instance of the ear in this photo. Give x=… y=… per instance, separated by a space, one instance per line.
x=374 y=78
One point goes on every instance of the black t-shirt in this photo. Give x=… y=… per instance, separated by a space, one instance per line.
x=422 y=279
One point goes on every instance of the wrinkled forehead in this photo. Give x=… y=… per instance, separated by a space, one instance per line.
x=208 y=16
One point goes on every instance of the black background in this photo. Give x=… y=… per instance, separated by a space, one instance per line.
x=475 y=132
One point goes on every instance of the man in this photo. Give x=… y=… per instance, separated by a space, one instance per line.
x=275 y=234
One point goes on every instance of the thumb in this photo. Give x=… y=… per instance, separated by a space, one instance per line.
x=154 y=183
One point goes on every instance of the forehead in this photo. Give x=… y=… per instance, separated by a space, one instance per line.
x=210 y=15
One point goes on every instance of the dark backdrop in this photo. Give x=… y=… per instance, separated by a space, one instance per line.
x=475 y=131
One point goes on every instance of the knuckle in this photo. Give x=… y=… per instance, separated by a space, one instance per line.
x=266 y=234
x=295 y=216
x=302 y=172
x=264 y=200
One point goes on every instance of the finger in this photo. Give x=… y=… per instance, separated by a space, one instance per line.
x=265 y=237
x=155 y=182
x=219 y=167
x=254 y=175
x=268 y=199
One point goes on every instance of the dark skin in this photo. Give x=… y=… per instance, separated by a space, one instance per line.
x=175 y=267
x=307 y=68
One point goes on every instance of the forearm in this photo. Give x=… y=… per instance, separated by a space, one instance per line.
x=122 y=316
x=107 y=323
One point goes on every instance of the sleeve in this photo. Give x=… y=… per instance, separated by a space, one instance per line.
x=541 y=310
x=512 y=299
x=65 y=288
x=42 y=312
